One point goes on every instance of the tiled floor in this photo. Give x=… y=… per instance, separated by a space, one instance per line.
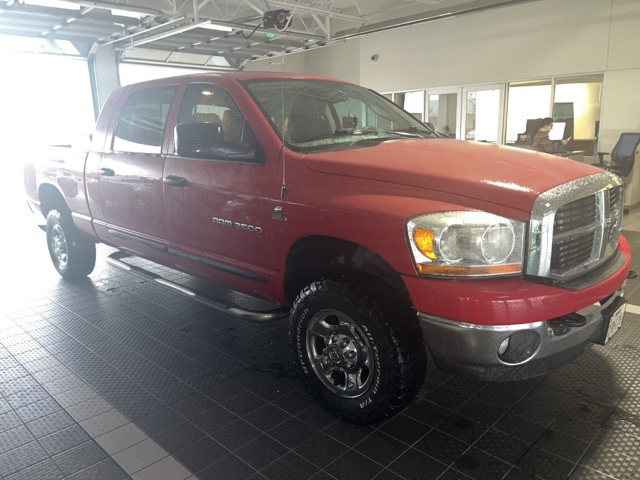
x=112 y=378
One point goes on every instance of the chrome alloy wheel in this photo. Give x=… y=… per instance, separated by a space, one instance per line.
x=58 y=244
x=339 y=353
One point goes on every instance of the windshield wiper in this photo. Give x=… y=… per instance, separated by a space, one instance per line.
x=341 y=132
x=371 y=141
x=356 y=131
x=414 y=132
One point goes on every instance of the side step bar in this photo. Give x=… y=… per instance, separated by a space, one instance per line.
x=115 y=260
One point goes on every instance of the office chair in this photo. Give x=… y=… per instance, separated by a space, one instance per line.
x=622 y=155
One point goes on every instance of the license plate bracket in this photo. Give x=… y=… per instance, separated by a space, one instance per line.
x=613 y=317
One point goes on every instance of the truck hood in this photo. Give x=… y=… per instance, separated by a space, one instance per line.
x=485 y=172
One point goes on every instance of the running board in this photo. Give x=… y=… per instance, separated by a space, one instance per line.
x=115 y=260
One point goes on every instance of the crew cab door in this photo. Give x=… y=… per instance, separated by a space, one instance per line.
x=130 y=172
x=216 y=190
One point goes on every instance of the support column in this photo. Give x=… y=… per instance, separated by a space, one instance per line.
x=104 y=75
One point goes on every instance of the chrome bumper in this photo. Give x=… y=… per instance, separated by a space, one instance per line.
x=482 y=351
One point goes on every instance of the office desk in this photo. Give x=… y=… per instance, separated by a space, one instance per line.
x=574 y=155
x=586 y=144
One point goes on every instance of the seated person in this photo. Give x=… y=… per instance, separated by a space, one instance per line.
x=541 y=141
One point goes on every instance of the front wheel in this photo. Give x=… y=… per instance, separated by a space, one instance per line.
x=73 y=256
x=361 y=361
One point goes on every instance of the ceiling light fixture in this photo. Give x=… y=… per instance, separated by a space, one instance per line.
x=148 y=30
x=169 y=33
x=215 y=26
x=128 y=13
x=54 y=4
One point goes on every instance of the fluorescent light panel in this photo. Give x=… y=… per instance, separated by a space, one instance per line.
x=54 y=4
x=215 y=26
x=128 y=13
x=166 y=34
x=186 y=28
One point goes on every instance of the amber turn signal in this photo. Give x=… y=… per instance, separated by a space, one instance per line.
x=424 y=241
x=469 y=270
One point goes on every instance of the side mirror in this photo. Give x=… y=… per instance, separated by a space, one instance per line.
x=205 y=140
x=196 y=138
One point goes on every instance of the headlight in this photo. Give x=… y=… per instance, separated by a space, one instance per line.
x=466 y=243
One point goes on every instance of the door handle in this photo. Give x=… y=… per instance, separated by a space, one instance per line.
x=174 y=181
x=107 y=172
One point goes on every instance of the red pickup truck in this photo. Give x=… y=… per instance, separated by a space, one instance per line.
x=374 y=234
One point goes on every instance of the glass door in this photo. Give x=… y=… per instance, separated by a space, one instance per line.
x=412 y=102
x=443 y=110
x=528 y=102
x=576 y=102
x=482 y=113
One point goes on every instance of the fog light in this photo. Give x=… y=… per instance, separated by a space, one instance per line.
x=519 y=347
x=503 y=346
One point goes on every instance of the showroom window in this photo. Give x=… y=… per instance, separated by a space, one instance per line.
x=528 y=101
x=141 y=124
x=444 y=110
x=575 y=109
x=482 y=113
x=483 y=116
x=412 y=102
x=577 y=102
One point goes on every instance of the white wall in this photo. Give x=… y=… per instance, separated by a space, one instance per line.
x=530 y=40
x=338 y=61
x=296 y=63
x=527 y=41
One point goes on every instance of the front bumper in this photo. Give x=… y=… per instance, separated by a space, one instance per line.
x=532 y=349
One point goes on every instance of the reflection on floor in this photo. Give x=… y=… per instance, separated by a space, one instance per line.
x=113 y=378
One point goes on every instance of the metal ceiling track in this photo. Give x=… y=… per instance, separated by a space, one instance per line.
x=198 y=31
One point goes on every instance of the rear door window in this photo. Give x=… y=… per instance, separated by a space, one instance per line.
x=140 y=127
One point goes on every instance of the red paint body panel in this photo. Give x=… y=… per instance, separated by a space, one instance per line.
x=500 y=175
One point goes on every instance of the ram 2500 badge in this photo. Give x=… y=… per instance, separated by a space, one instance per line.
x=377 y=237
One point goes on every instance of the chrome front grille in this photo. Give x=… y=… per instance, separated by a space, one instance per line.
x=615 y=201
x=576 y=214
x=575 y=228
x=569 y=253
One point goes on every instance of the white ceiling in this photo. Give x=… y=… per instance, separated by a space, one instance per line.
x=178 y=32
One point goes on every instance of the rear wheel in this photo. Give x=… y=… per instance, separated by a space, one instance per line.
x=360 y=360
x=72 y=255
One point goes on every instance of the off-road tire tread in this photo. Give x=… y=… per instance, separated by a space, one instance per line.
x=400 y=339
x=81 y=251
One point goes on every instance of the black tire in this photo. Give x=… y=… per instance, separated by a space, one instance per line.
x=73 y=256
x=360 y=360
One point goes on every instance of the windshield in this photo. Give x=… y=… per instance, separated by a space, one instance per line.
x=315 y=115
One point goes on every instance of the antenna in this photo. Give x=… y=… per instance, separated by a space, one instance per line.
x=283 y=188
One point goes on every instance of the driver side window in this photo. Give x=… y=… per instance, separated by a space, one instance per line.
x=207 y=103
